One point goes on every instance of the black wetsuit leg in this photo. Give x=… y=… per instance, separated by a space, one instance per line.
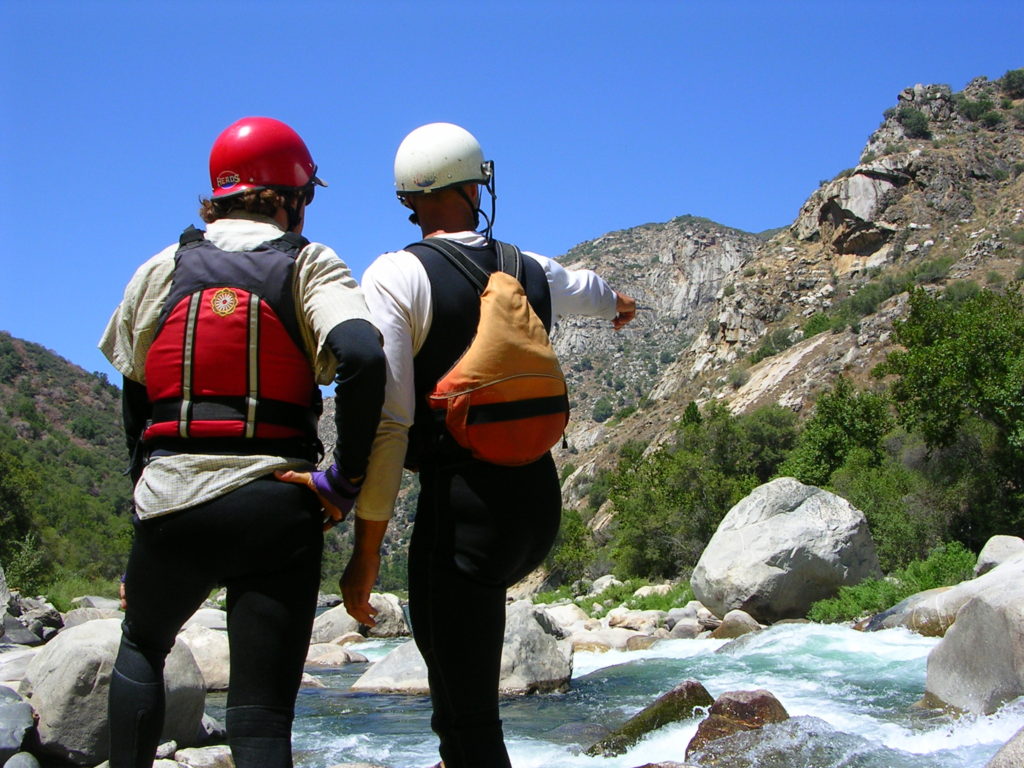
x=263 y=541
x=479 y=528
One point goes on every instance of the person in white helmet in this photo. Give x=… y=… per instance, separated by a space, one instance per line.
x=479 y=527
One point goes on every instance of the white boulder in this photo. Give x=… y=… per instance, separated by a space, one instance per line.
x=782 y=548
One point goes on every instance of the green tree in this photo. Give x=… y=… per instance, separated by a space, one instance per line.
x=573 y=551
x=843 y=419
x=18 y=485
x=959 y=384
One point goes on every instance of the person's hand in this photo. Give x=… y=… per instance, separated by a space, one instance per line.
x=356 y=584
x=121 y=596
x=337 y=494
x=625 y=307
x=362 y=569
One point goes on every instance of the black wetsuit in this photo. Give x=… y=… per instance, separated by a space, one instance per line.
x=479 y=528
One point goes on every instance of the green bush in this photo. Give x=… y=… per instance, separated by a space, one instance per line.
x=69 y=586
x=914 y=122
x=946 y=565
x=603 y=410
x=1012 y=83
x=777 y=341
x=817 y=323
x=991 y=118
x=972 y=110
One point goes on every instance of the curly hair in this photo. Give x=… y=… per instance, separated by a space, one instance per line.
x=261 y=201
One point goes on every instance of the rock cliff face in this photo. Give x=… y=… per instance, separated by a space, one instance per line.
x=938 y=197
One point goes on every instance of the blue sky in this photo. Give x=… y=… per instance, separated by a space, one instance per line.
x=599 y=116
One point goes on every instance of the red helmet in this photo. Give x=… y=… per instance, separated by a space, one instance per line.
x=257 y=152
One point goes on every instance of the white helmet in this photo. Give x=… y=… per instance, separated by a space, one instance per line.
x=439 y=155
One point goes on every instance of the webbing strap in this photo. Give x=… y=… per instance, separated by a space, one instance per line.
x=237 y=409
x=477 y=276
x=517 y=409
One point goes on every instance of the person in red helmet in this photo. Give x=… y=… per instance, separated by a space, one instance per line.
x=224 y=339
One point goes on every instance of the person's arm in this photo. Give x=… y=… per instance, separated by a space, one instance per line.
x=577 y=291
x=399 y=300
x=135 y=413
x=358 y=393
x=362 y=570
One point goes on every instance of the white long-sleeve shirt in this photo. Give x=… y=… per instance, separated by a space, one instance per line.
x=397 y=291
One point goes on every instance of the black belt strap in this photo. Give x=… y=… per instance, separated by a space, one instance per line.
x=236 y=409
x=490 y=413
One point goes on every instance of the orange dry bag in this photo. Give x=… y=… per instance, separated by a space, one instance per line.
x=505 y=399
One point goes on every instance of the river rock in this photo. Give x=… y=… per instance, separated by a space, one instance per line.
x=332 y=655
x=78 y=616
x=672 y=707
x=735 y=624
x=736 y=711
x=17 y=633
x=641 y=621
x=979 y=664
x=333 y=623
x=401 y=671
x=70 y=680
x=205 y=757
x=211 y=650
x=997 y=551
x=22 y=760
x=933 y=615
x=95 y=601
x=390 y=617
x=685 y=629
x=600 y=640
x=211 y=618
x=602 y=583
x=40 y=616
x=327 y=600
x=782 y=548
x=5 y=592
x=694 y=609
x=903 y=614
x=533 y=659
x=568 y=616
x=1011 y=755
x=15 y=722
x=14 y=663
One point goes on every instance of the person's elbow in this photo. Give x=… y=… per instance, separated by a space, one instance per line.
x=357 y=345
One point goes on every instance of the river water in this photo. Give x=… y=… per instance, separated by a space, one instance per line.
x=850 y=694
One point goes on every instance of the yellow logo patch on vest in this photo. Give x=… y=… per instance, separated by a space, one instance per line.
x=224 y=302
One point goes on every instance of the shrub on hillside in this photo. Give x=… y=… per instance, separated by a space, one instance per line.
x=946 y=565
x=1012 y=83
x=914 y=122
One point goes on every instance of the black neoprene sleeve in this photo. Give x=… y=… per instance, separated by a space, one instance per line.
x=358 y=392
x=135 y=410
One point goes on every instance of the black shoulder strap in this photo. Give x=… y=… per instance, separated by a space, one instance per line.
x=289 y=242
x=191 y=235
x=509 y=260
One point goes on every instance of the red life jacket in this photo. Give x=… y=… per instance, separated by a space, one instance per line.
x=227 y=359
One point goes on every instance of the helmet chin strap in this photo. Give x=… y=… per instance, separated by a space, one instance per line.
x=477 y=212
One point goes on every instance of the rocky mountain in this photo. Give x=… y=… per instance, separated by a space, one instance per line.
x=938 y=197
